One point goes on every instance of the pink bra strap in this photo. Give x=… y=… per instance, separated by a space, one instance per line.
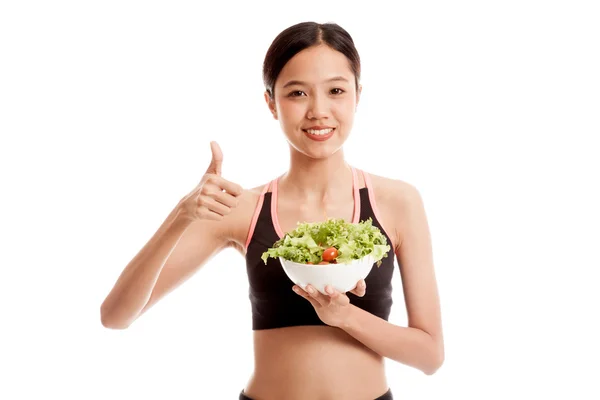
x=256 y=214
x=356 y=196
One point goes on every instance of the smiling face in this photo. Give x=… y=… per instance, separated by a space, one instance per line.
x=315 y=101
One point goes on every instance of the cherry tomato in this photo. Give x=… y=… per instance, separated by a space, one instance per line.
x=310 y=263
x=330 y=254
x=324 y=263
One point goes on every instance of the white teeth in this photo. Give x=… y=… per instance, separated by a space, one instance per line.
x=319 y=132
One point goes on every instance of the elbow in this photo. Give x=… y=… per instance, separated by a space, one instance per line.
x=436 y=360
x=110 y=322
x=436 y=357
x=112 y=325
x=432 y=369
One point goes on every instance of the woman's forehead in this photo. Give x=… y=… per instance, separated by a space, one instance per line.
x=316 y=65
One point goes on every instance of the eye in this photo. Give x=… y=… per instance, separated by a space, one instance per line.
x=294 y=93
x=339 y=91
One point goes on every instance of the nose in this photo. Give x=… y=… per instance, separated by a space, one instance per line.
x=317 y=108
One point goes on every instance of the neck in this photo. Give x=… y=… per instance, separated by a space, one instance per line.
x=311 y=178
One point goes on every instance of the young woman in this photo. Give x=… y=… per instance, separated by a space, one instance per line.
x=306 y=345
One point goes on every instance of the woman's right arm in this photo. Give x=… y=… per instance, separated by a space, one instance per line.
x=195 y=231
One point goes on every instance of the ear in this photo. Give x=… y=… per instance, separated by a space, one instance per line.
x=271 y=104
x=358 y=92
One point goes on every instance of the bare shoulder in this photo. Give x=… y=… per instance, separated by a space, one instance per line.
x=392 y=189
x=394 y=198
x=238 y=222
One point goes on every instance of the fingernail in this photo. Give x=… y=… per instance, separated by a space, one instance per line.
x=310 y=290
x=329 y=290
x=295 y=289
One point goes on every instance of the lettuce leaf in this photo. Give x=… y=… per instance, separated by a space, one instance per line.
x=307 y=242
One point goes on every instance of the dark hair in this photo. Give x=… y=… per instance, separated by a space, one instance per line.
x=298 y=37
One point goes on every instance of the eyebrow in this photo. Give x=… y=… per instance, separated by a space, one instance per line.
x=335 y=78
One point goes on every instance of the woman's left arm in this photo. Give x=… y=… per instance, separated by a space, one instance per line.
x=421 y=344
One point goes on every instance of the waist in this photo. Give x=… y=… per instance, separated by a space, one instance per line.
x=314 y=362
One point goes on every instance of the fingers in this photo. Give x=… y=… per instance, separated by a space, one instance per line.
x=316 y=295
x=212 y=201
x=307 y=296
x=336 y=296
x=319 y=299
x=210 y=204
x=216 y=184
x=213 y=173
x=360 y=289
x=205 y=213
x=230 y=187
x=214 y=197
x=217 y=159
x=225 y=198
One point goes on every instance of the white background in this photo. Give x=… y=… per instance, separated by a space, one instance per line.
x=491 y=109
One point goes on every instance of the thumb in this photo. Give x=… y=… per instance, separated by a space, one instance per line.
x=217 y=159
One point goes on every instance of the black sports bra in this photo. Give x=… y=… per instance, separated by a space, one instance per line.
x=274 y=303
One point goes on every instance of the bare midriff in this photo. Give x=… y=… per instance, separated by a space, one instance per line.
x=314 y=362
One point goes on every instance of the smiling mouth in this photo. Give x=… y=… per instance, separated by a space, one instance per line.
x=319 y=132
x=319 y=135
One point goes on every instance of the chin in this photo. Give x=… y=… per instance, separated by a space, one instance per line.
x=315 y=149
x=322 y=153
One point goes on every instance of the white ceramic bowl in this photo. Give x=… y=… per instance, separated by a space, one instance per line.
x=343 y=277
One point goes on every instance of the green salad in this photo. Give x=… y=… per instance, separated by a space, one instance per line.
x=333 y=241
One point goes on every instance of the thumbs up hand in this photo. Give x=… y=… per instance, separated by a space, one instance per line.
x=214 y=197
x=217 y=159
